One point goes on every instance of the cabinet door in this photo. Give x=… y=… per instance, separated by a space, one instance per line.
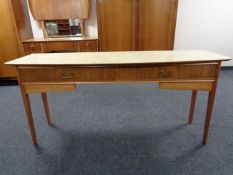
x=117 y=21
x=157 y=22
x=10 y=45
x=22 y=19
x=59 y=9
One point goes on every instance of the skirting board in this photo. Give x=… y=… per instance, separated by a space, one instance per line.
x=8 y=82
x=227 y=67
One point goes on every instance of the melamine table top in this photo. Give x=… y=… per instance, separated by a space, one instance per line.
x=118 y=58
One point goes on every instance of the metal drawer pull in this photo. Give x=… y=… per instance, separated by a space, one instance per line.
x=165 y=74
x=67 y=77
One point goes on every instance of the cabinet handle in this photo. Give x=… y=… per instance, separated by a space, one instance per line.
x=32 y=46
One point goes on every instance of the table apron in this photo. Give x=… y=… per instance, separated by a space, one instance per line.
x=72 y=74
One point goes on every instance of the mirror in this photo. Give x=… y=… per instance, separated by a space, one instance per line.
x=64 y=28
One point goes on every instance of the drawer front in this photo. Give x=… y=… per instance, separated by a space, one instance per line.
x=66 y=74
x=187 y=71
x=166 y=73
x=197 y=71
x=30 y=48
x=117 y=74
x=136 y=73
x=52 y=47
x=87 y=46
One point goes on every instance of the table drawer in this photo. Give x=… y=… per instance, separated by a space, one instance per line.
x=66 y=74
x=197 y=71
x=166 y=73
x=50 y=47
x=117 y=73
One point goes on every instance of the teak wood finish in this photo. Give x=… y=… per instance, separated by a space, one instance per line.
x=15 y=25
x=49 y=47
x=117 y=22
x=129 y=25
x=60 y=74
x=22 y=19
x=198 y=72
x=157 y=23
x=59 y=9
x=46 y=107
x=31 y=89
x=52 y=45
x=192 y=106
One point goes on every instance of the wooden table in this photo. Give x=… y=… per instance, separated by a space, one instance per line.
x=178 y=70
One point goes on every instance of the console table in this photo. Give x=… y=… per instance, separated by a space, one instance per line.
x=178 y=70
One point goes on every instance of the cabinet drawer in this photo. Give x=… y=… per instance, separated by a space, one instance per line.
x=87 y=46
x=50 y=47
x=30 y=48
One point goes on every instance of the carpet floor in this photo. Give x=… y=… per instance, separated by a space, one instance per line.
x=117 y=130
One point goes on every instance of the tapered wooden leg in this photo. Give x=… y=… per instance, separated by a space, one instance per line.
x=210 y=106
x=192 y=106
x=208 y=115
x=46 y=107
x=28 y=110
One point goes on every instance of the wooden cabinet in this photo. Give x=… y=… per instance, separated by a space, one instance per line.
x=52 y=46
x=22 y=19
x=136 y=24
x=156 y=24
x=14 y=27
x=59 y=9
x=117 y=21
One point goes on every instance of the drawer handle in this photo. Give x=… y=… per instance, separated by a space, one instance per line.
x=66 y=77
x=165 y=74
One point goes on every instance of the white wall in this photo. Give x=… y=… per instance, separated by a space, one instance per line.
x=37 y=32
x=91 y=23
x=205 y=24
x=201 y=24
